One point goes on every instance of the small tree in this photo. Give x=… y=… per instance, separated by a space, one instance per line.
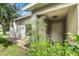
x=41 y=29
x=7 y=13
x=38 y=33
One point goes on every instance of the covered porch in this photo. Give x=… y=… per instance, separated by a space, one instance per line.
x=60 y=22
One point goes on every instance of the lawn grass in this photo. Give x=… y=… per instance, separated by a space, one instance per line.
x=9 y=49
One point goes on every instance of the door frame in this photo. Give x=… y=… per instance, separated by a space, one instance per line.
x=49 y=23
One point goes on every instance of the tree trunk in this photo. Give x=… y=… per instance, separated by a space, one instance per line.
x=3 y=27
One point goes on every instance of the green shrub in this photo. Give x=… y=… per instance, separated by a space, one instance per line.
x=55 y=49
x=73 y=40
x=38 y=49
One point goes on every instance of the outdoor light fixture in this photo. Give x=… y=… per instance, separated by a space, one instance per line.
x=54 y=16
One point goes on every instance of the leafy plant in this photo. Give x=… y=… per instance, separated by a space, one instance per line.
x=28 y=29
x=7 y=13
x=53 y=49
x=73 y=39
x=38 y=49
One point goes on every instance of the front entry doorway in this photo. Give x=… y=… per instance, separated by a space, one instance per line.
x=56 y=29
x=56 y=32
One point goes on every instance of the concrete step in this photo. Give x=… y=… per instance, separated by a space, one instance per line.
x=22 y=46
x=22 y=43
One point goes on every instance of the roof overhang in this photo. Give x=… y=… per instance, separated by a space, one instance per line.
x=33 y=6
x=22 y=17
x=55 y=8
x=29 y=5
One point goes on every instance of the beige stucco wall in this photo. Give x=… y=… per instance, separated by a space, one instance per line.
x=27 y=20
x=72 y=20
x=24 y=21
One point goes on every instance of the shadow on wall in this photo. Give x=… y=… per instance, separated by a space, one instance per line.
x=5 y=42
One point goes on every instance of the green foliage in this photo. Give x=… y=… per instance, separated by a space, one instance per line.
x=56 y=49
x=73 y=38
x=40 y=29
x=76 y=37
x=70 y=51
x=71 y=47
x=28 y=29
x=7 y=14
x=36 y=29
x=53 y=49
x=38 y=48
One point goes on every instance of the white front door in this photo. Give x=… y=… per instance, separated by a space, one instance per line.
x=56 y=32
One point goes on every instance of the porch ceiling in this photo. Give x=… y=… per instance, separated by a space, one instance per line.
x=57 y=14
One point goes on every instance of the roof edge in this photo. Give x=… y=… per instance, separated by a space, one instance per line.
x=28 y=6
x=19 y=18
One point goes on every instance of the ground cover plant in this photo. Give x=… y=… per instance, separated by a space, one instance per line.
x=53 y=49
x=46 y=48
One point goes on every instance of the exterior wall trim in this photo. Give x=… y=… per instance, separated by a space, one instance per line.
x=53 y=9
